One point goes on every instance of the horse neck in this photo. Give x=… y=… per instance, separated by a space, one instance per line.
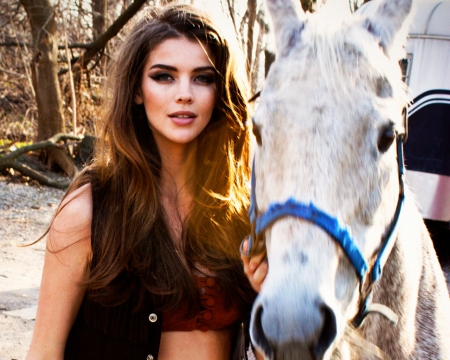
x=412 y=279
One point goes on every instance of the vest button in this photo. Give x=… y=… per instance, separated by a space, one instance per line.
x=152 y=317
x=149 y=357
x=207 y=315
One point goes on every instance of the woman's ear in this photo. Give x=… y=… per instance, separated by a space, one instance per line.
x=138 y=98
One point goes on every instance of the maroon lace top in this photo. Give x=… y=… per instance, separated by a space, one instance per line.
x=212 y=314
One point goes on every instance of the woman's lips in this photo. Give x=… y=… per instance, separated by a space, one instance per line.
x=182 y=118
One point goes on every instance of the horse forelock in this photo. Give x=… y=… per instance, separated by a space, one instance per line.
x=344 y=48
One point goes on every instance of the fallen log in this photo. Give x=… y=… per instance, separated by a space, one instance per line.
x=10 y=160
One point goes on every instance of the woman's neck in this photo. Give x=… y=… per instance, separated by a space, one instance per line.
x=178 y=166
x=177 y=178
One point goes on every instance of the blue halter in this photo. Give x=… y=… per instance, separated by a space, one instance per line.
x=338 y=231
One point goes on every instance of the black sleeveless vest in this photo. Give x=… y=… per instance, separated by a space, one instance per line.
x=114 y=333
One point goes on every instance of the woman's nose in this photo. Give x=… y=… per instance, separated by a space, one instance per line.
x=184 y=95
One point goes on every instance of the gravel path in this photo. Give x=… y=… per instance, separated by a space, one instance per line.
x=25 y=212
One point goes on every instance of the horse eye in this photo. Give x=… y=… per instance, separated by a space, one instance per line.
x=257 y=133
x=386 y=138
x=384 y=88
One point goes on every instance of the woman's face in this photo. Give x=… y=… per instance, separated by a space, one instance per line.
x=178 y=91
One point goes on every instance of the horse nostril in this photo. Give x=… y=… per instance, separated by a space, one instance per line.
x=328 y=334
x=257 y=332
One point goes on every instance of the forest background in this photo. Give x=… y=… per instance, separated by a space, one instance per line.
x=54 y=59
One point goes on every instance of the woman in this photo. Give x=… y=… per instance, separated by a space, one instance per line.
x=142 y=258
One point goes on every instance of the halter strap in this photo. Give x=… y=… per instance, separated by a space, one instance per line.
x=318 y=217
x=392 y=235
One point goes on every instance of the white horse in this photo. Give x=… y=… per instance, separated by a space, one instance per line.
x=343 y=235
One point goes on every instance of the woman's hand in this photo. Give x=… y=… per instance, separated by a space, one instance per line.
x=255 y=267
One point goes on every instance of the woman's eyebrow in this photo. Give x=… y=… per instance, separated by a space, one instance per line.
x=165 y=67
x=205 y=68
x=173 y=68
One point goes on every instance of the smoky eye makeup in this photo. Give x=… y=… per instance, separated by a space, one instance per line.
x=206 y=78
x=160 y=76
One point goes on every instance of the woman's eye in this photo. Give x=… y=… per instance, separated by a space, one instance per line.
x=161 y=77
x=386 y=138
x=205 y=79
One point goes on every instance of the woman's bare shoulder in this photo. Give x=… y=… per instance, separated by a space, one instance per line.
x=78 y=199
x=73 y=219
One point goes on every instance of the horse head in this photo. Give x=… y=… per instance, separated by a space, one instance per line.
x=326 y=127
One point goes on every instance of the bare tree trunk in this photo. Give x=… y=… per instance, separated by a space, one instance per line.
x=99 y=12
x=99 y=9
x=44 y=67
x=251 y=8
x=45 y=79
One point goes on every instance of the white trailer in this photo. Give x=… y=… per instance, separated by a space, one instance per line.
x=426 y=71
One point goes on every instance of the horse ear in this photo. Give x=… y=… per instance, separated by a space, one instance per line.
x=389 y=23
x=287 y=18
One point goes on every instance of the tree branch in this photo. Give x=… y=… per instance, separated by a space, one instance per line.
x=52 y=142
x=112 y=31
x=96 y=47
x=231 y=12
x=60 y=47
x=44 y=180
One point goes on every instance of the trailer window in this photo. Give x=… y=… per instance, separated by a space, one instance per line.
x=405 y=65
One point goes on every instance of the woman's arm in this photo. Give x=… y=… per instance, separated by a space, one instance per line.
x=65 y=266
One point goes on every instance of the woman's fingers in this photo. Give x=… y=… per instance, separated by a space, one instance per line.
x=255 y=267
x=260 y=275
x=256 y=260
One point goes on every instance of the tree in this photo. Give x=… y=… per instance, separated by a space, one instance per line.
x=44 y=63
x=45 y=78
x=99 y=11
x=44 y=69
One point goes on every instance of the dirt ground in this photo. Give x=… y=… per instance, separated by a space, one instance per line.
x=25 y=212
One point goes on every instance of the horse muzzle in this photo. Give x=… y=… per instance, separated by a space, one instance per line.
x=285 y=329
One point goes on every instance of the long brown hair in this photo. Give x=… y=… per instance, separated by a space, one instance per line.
x=132 y=249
